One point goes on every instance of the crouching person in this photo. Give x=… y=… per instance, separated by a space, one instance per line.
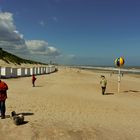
x=3 y=97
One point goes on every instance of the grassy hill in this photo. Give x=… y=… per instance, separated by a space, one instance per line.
x=10 y=58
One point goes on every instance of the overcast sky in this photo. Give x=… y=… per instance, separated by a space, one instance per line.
x=88 y=32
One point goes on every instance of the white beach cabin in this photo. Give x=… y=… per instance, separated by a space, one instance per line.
x=38 y=70
x=35 y=70
x=32 y=71
x=27 y=71
x=14 y=72
x=47 y=70
x=52 y=68
x=21 y=72
x=42 y=70
x=5 y=72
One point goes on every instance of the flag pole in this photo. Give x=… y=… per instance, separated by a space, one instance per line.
x=119 y=79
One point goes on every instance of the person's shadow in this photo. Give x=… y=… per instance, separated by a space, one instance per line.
x=26 y=113
x=38 y=86
x=109 y=93
x=133 y=91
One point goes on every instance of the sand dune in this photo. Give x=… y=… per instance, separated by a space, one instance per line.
x=68 y=105
x=27 y=65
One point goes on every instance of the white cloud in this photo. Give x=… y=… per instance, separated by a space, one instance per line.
x=41 y=47
x=10 y=38
x=71 y=56
x=55 y=19
x=13 y=41
x=42 y=23
x=36 y=46
x=52 y=51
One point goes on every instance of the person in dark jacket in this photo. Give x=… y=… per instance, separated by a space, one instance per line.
x=33 y=80
x=3 y=97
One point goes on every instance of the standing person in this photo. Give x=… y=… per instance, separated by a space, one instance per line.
x=3 y=96
x=103 y=84
x=33 y=80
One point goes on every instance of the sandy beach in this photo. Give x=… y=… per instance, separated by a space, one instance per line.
x=68 y=105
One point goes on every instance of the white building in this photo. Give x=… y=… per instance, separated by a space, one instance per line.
x=8 y=72
x=14 y=72
x=52 y=68
x=38 y=70
x=32 y=71
x=27 y=71
x=35 y=70
x=21 y=72
x=42 y=70
x=5 y=72
x=47 y=70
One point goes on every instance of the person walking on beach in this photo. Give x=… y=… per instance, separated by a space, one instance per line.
x=33 y=80
x=103 y=84
x=3 y=97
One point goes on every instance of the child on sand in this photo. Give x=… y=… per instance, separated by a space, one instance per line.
x=33 y=80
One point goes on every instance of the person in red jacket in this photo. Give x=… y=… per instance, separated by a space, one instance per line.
x=3 y=97
x=33 y=80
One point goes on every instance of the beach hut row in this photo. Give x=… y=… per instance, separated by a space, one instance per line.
x=9 y=72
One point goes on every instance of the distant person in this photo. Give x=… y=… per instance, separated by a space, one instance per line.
x=33 y=80
x=3 y=97
x=103 y=84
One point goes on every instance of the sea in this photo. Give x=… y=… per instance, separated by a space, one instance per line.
x=132 y=70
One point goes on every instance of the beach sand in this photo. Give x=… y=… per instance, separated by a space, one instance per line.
x=68 y=105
